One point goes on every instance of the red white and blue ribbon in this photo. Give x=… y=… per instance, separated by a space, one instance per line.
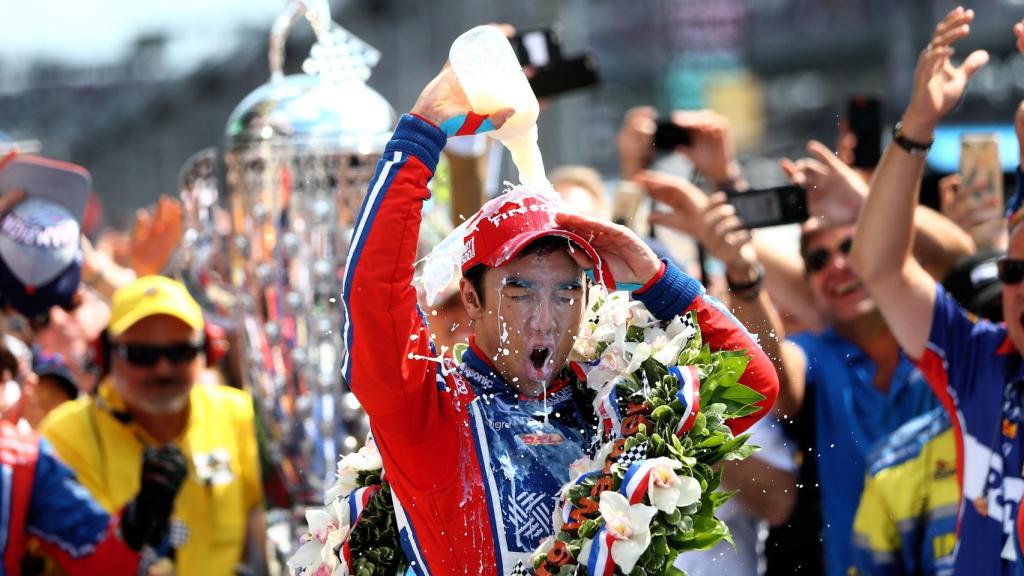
x=467 y=124
x=608 y=412
x=636 y=481
x=567 y=505
x=600 y=562
x=358 y=499
x=688 y=395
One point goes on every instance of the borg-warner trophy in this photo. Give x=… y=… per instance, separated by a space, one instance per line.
x=299 y=154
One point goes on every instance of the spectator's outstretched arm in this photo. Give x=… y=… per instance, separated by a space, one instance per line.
x=724 y=236
x=836 y=193
x=881 y=254
x=714 y=224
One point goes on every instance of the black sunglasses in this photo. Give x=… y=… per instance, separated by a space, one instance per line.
x=146 y=355
x=817 y=259
x=1010 y=271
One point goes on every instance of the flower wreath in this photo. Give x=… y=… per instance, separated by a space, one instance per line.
x=648 y=493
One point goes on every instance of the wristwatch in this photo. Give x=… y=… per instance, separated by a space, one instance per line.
x=911 y=146
x=747 y=290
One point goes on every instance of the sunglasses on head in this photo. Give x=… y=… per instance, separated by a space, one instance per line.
x=146 y=355
x=817 y=259
x=1010 y=271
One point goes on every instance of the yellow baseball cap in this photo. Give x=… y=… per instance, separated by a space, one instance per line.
x=150 y=296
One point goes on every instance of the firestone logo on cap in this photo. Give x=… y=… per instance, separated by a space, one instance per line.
x=469 y=251
x=506 y=214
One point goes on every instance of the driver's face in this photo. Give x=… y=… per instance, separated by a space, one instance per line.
x=533 y=307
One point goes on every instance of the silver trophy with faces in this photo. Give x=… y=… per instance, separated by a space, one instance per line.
x=299 y=154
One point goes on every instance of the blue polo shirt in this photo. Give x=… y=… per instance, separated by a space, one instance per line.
x=976 y=372
x=851 y=416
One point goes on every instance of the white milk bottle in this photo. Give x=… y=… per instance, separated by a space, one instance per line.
x=490 y=74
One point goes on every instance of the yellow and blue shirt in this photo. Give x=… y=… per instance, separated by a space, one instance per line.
x=96 y=438
x=975 y=370
x=851 y=418
x=906 y=521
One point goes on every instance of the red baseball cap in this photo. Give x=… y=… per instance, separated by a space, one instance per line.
x=503 y=227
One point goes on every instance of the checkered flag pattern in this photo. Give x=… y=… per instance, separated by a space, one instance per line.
x=635 y=454
x=179 y=534
x=519 y=569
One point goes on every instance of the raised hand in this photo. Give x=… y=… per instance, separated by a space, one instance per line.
x=835 y=191
x=938 y=85
x=630 y=260
x=155 y=238
x=685 y=201
x=635 y=140
x=444 y=103
x=726 y=238
x=711 y=148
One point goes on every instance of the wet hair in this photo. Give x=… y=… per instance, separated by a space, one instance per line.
x=540 y=247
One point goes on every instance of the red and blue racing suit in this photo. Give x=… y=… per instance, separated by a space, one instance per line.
x=474 y=471
x=40 y=497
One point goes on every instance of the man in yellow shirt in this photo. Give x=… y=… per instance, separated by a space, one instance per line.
x=151 y=398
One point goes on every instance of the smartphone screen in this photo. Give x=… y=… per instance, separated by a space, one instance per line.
x=864 y=115
x=551 y=73
x=770 y=206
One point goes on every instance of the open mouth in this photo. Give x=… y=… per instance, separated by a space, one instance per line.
x=539 y=356
x=846 y=288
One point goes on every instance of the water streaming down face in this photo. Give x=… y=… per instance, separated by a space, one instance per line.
x=532 y=309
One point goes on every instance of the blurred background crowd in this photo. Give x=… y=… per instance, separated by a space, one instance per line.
x=682 y=108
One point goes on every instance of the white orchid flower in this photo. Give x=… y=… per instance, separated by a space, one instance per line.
x=630 y=526
x=367 y=459
x=584 y=349
x=666 y=490
x=666 y=345
x=328 y=529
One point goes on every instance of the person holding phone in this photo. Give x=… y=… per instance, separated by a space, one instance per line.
x=849 y=383
x=973 y=366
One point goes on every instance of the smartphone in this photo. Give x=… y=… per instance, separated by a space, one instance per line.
x=770 y=206
x=978 y=207
x=864 y=116
x=553 y=74
x=538 y=47
x=566 y=76
x=61 y=182
x=628 y=196
x=668 y=136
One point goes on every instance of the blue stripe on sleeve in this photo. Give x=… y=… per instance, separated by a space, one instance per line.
x=671 y=295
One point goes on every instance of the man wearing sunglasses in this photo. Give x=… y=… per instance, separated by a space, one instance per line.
x=847 y=385
x=152 y=398
x=974 y=367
